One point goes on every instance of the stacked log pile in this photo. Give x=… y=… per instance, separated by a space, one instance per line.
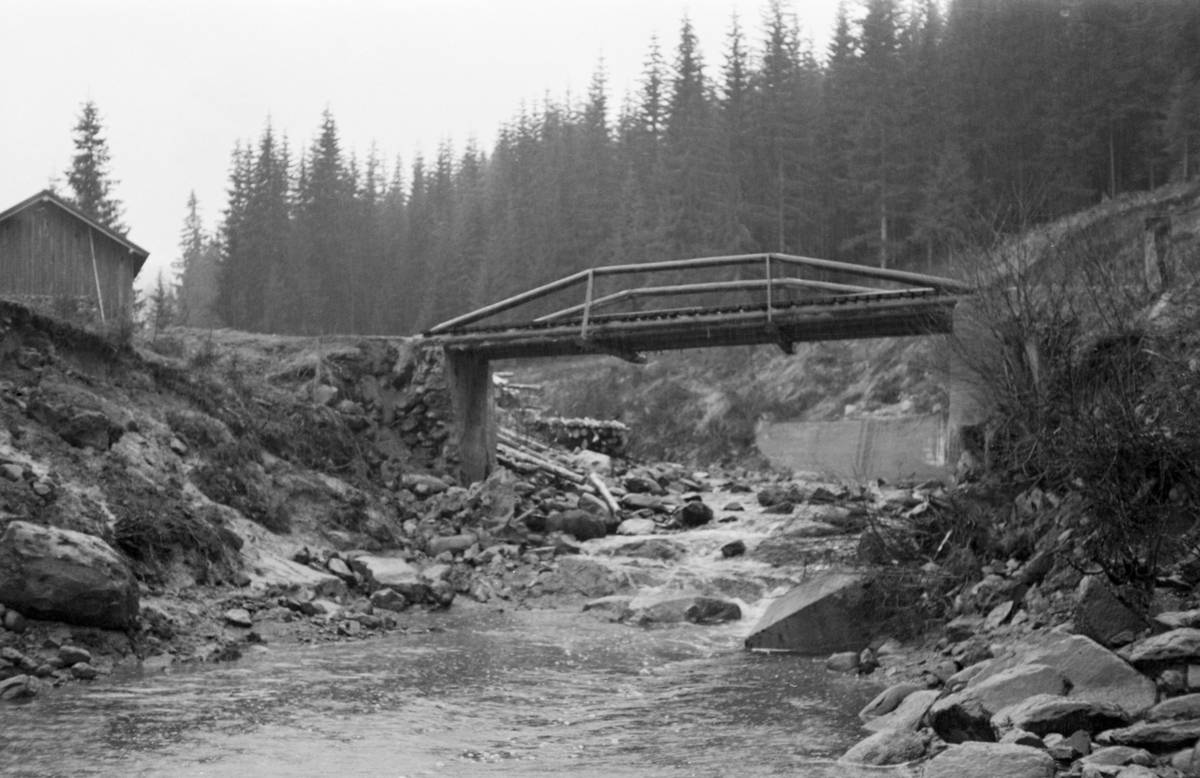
x=604 y=437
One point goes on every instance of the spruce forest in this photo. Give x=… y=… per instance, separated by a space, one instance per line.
x=924 y=127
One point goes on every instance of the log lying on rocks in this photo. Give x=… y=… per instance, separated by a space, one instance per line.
x=605 y=494
x=517 y=440
x=523 y=458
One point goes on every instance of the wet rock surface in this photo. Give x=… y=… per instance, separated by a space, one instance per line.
x=828 y=613
x=991 y=760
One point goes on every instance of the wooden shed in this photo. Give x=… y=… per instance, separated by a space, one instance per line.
x=50 y=252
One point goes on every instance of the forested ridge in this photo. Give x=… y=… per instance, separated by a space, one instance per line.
x=921 y=129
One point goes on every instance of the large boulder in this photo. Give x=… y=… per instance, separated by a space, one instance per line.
x=887 y=747
x=990 y=760
x=580 y=524
x=908 y=715
x=826 y=614
x=1043 y=714
x=1185 y=707
x=1177 y=646
x=82 y=428
x=1095 y=673
x=392 y=573
x=637 y=501
x=967 y=715
x=642 y=483
x=1157 y=735
x=49 y=573
x=637 y=527
x=888 y=700
x=1102 y=616
x=1118 y=756
x=695 y=514
x=779 y=494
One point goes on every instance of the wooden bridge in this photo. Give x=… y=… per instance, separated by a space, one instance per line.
x=768 y=300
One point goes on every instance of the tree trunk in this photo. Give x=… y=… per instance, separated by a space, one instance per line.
x=883 y=233
x=782 y=249
x=1112 y=164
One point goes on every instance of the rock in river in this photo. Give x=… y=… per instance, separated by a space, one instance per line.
x=388 y=599
x=674 y=607
x=887 y=747
x=238 y=617
x=823 y=615
x=637 y=527
x=649 y=548
x=695 y=514
x=17 y=687
x=71 y=655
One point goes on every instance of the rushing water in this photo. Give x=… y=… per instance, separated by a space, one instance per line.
x=477 y=692
x=525 y=693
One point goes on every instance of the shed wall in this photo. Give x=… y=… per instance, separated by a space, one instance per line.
x=45 y=251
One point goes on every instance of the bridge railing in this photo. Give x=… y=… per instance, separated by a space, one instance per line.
x=769 y=284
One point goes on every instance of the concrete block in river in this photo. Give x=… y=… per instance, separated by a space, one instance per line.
x=828 y=613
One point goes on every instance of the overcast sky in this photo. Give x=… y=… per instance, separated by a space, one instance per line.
x=177 y=82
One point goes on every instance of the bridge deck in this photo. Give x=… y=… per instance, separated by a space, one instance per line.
x=866 y=315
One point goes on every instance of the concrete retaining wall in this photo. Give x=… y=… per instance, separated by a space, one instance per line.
x=909 y=447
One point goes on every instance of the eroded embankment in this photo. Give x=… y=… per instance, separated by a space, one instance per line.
x=263 y=488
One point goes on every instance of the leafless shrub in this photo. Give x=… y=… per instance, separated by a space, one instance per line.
x=1093 y=384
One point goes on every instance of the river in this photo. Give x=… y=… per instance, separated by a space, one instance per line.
x=479 y=691
x=469 y=693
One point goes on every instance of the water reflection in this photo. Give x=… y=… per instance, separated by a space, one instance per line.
x=518 y=694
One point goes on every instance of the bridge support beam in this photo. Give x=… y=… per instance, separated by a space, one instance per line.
x=469 y=378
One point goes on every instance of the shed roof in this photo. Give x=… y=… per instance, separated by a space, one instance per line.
x=46 y=196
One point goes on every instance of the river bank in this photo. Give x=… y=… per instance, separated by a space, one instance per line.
x=250 y=496
x=947 y=687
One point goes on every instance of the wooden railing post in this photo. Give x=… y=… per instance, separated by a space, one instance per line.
x=770 y=289
x=587 y=304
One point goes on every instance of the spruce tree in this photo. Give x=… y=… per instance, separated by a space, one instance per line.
x=734 y=112
x=593 y=176
x=877 y=162
x=840 y=104
x=1182 y=126
x=784 y=109
x=198 y=267
x=946 y=219
x=701 y=182
x=88 y=177
x=162 y=302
